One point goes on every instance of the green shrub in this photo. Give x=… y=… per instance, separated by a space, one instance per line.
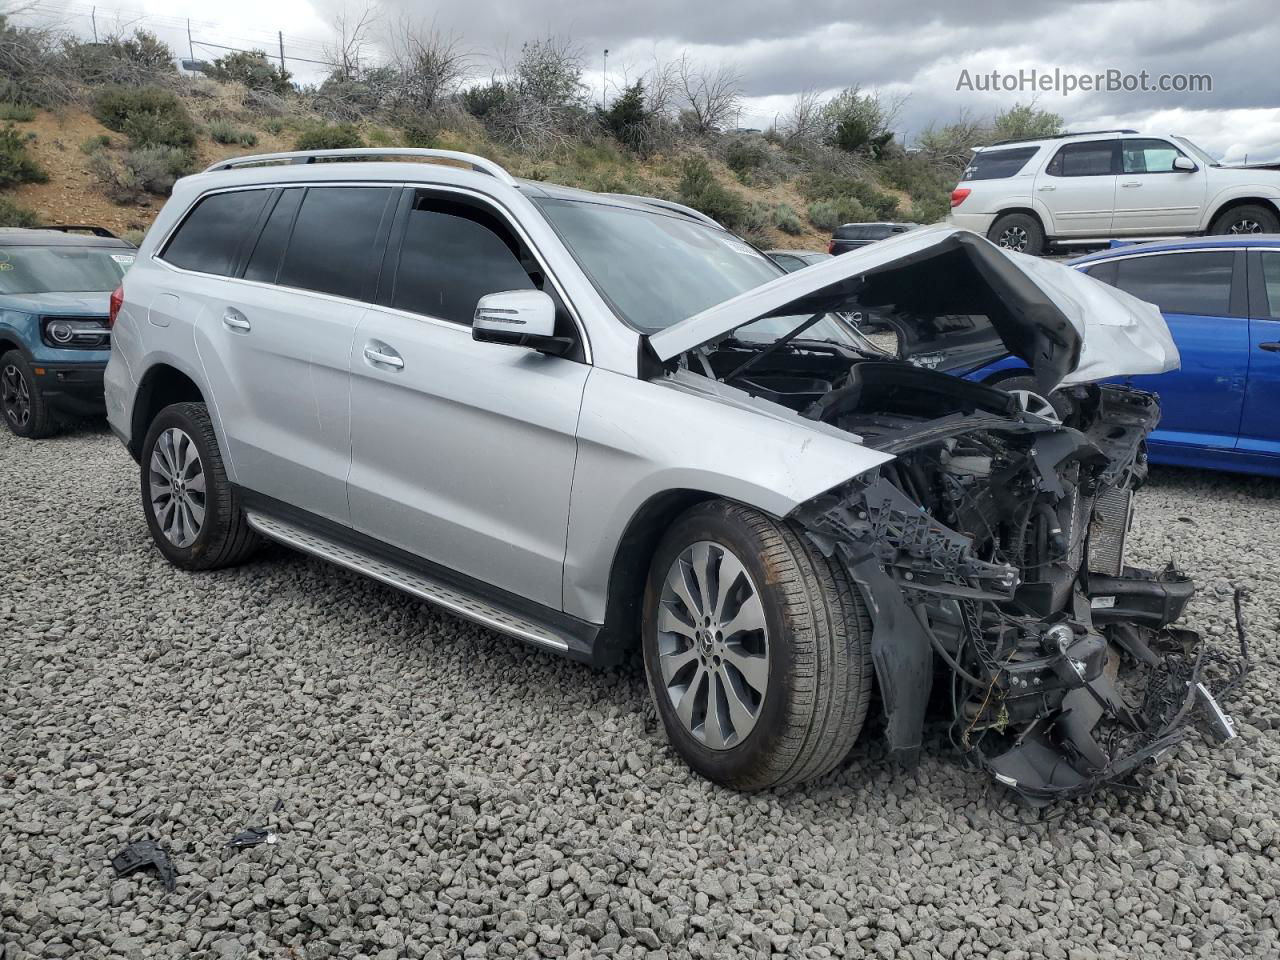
x=274 y=127
x=700 y=189
x=222 y=131
x=755 y=225
x=148 y=116
x=16 y=165
x=139 y=171
x=254 y=69
x=829 y=214
x=94 y=144
x=12 y=215
x=841 y=188
x=746 y=154
x=787 y=220
x=486 y=100
x=134 y=60
x=17 y=112
x=338 y=136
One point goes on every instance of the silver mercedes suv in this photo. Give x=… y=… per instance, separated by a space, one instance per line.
x=601 y=423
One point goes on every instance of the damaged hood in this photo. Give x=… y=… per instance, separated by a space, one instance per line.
x=958 y=301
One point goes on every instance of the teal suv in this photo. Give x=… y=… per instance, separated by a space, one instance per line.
x=56 y=286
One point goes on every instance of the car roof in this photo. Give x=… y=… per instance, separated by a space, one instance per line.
x=1227 y=242
x=53 y=237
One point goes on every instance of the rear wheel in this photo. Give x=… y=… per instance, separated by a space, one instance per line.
x=1019 y=232
x=1247 y=218
x=22 y=403
x=191 y=508
x=756 y=647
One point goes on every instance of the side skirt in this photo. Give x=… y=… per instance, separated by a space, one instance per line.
x=481 y=603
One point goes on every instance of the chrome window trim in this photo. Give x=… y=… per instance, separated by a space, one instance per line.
x=501 y=208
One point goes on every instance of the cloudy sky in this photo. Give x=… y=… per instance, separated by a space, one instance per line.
x=914 y=50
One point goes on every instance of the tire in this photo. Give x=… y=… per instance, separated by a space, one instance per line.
x=222 y=536
x=22 y=403
x=1018 y=231
x=1247 y=218
x=816 y=646
x=1061 y=404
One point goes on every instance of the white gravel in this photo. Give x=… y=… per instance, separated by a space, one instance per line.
x=446 y=792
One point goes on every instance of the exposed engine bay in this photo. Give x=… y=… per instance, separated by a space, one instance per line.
x=990 y=552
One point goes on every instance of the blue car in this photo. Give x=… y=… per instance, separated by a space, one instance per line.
x=55 y=341
x=1221 y=299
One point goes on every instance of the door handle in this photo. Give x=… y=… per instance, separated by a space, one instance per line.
x=1131 y=183
x=1272 y=346
x=384 y=355
x=1047 y=188
x=235 y=320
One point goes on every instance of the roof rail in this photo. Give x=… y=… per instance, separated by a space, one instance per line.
x=78 y=228
x=668 y=205
x=1060 y=136
x=479 y=164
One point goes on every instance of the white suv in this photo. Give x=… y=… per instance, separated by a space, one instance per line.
x=1092 y=187
x=604 y=425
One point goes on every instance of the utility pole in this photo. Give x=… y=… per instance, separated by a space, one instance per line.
x=191 y=50
x=604 y=91
x=93 y=15
x=280 y=37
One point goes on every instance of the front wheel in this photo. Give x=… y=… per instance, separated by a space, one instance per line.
x=1248 y=218
x=757 y=649
x=22 y=403
x=1019 y=232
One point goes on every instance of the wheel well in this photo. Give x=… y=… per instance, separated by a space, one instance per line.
x=7 y=345
x=1242 y=202
x=630 y=569
x=161 y=386
x=1026 y=211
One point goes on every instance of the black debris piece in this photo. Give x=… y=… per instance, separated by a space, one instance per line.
x=144 y=854
x=252 y=837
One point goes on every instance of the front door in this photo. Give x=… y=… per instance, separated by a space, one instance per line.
x=462 y=453
x=1153 y=197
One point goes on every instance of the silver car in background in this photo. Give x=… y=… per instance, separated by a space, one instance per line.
x=599 y=423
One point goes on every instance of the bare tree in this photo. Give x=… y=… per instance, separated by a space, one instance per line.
x=951 y=146
x=348 y=53
x=429 y=65
x=805 y=125
x=710 y=96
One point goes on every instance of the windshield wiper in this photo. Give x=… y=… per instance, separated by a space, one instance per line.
x=773 y=347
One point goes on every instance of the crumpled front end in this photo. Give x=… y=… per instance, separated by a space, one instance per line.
x=991 y=553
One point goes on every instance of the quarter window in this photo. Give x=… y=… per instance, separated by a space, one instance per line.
x=1094 y=158
x=1271 y=279
x=452 y=255
x=1192 y=283
x=1148 y=156
x=998 y=164
x=209 y=239
x=331 y=249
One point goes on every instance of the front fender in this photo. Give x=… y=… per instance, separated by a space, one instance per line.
x=639 y=439
x=1269 y=192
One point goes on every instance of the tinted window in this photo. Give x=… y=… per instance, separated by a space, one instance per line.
x=995 y=164
x=209 y=239
x=1148 y=156
x=1090 y=159
x=332 y=245
x=1195 y=283
x=264 y=262
x=1105 y=271
x=452 y=255
x=1271 y=279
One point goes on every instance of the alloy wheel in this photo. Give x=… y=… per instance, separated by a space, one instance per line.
x=176 y=484
x=15 y=395
x=713 y=645
x=1013 y=238
x=1246 y=225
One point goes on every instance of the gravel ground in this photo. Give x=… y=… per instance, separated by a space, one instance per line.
x=438 y=790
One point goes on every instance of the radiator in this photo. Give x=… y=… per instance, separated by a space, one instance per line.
x=1108 y=530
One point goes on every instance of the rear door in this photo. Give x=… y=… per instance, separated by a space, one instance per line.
x=1078 y=188
x=1152 y=196
x=1260 y=424
x=275 y=341
x=1203 y=298
x=462 y=453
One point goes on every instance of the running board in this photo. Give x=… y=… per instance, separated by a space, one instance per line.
x=450 y=598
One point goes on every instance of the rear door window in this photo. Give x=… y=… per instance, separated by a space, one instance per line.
x=1092 y=158
x=998 y=164
x=264 y=262
x=334 y=242
x=1196 y=283
x=210 y=238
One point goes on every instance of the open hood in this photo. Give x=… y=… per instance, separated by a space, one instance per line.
x=958 y=302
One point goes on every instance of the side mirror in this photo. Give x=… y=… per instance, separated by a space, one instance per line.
x=519 y=318
x=1186 y=164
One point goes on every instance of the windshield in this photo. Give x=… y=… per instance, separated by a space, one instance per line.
x=655 y=269
x=62 y=269
x=1201 y=154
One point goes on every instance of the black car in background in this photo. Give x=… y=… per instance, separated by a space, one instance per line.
x=793 y=260
x=851 y=236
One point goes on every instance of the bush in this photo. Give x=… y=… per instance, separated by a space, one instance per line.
x=94 y=144
x=31 y=70
x=485 y=100
x=754 y=225
x=140 y=58
x=787 y=220
x=274 y=127
x=252 y=68
x=222 y=131
x=829 y=214
x=338 y=136
x=148 y=116
x=631 y=121
x=12 y=215
x=842 y=188
x=745 y=155
x=19 y=112
x=16 y=165
x=700 y=189
x=140 y=171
